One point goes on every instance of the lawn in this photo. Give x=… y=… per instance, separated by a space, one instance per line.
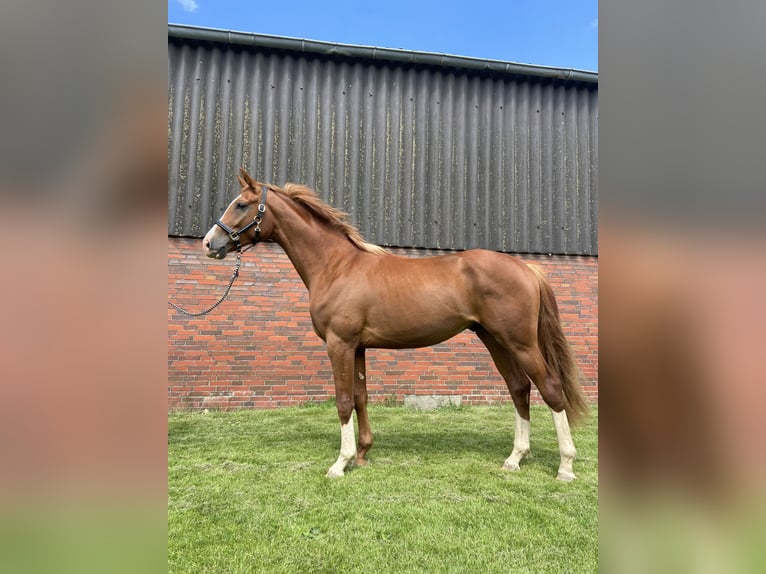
x=248 y=493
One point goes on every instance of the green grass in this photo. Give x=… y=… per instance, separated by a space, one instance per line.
x=248 y=493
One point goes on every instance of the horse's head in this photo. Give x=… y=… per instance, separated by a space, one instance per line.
x=244 y=222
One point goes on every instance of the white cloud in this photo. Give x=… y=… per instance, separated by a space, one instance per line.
x=188 y=5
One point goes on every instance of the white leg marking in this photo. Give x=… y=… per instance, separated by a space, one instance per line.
x=347 y=449
x=566 y=446
x=520 y=444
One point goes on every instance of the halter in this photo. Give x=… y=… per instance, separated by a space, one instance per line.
x=234 y=235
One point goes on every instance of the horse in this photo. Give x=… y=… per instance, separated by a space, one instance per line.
x=362 y=296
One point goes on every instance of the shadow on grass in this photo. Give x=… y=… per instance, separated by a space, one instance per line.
x=492 y=445
x=400 y=435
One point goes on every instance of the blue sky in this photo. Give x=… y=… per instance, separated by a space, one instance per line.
x=560 y=33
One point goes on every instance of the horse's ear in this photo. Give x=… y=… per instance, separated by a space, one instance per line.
x=241 y=181
x=248 y=179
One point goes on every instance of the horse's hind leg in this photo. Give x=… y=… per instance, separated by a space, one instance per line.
x=549 y=385
x=566 y=445
x=360 y=405
x=519 y=386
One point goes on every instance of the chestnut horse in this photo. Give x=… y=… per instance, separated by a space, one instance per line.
x=363 y=297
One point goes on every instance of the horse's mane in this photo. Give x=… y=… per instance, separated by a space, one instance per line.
x=335 y=217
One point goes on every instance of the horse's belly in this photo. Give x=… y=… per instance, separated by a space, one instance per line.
x=407 y=330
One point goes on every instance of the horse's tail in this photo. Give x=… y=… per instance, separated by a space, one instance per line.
x=556 y=351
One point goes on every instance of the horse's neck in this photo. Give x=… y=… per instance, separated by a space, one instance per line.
x=312 y=246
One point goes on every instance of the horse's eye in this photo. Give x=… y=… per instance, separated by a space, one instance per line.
x=241 y=206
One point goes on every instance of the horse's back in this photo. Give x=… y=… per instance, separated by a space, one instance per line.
x=464 y=274
x=483 y=260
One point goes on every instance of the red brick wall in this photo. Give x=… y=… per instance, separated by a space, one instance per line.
x=258 y=349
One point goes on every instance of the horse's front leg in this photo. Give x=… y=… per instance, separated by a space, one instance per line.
x=342 y=358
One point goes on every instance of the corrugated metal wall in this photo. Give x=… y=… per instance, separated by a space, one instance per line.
x=420 y=156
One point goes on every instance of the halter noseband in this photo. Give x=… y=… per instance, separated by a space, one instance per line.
x=234 y=235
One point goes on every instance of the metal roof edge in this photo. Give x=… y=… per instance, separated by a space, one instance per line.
x=187 y=32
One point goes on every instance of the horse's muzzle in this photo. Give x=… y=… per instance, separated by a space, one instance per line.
x=212 y=252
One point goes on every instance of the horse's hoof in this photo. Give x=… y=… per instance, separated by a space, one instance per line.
x=334 y=473
x=565 y=476
x=512 y=466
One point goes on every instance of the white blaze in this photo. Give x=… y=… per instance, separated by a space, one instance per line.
x=215 y=229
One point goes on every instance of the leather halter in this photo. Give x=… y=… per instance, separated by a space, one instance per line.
x=234 y=235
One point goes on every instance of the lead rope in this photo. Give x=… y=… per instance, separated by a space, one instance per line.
x=225 y=294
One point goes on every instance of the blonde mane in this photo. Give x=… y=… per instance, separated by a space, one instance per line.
x=335 y=217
